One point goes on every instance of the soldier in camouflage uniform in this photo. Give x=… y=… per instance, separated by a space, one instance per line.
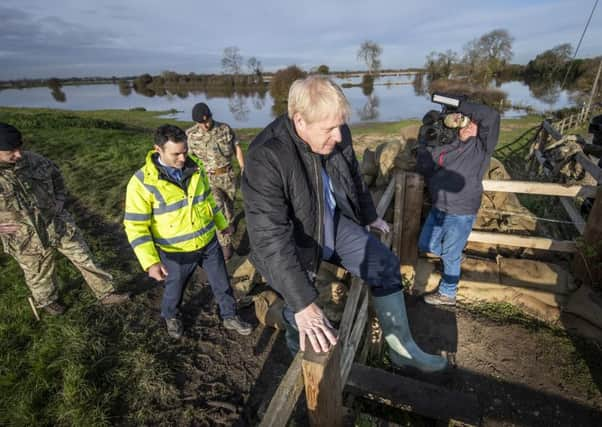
x=215 y=143
x=33 y=224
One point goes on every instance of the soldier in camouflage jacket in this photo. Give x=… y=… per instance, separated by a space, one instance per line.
x=215 y=143
x=33 y=224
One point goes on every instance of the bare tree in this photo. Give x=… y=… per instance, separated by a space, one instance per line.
x=232 y=60
x=254 y=66
x=369 y=53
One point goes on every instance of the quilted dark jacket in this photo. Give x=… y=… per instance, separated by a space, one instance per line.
x=284 y=205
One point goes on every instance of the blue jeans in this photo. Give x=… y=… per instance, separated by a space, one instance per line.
x=445 y=235
x=364 y=256
x=181 y=265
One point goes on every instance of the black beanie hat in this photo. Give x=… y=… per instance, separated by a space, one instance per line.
x=10 y=137
x=200 y=112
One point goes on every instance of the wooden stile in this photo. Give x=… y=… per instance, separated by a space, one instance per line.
x=422 y=398
x=323 y=389
x=398 y=212
x=541 y=188
x=523 y=241
x=586 y=268
x=286 y=396
x=352 y=343
x=571 y=210
x=412 y=211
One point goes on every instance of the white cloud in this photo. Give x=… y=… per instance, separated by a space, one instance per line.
x=117 y=36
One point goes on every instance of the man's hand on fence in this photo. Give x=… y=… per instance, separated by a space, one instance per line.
x=381 y=225
x=312 y=323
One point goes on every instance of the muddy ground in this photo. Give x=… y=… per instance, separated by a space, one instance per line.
x=523 y=373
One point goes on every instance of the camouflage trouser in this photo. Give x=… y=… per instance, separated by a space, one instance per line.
x=223 y=188
x=38 y=263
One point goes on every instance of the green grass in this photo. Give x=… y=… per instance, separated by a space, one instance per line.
x=381 y=128
x=90 y=366
x=504 y=313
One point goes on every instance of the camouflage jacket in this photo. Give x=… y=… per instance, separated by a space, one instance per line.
x=214 y=147
x=32 y=193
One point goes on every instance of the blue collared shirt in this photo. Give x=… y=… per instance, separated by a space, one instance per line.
x=330 y=206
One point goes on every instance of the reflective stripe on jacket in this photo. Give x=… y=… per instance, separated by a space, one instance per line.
x=159 y=213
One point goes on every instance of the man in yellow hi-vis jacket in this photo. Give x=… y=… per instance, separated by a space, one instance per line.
x=171 y=221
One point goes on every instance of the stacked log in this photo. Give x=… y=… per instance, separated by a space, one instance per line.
x=379 y=165
x=332 y=285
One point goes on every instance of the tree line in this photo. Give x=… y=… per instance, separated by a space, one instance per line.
x=488 y=57
x=482 y=60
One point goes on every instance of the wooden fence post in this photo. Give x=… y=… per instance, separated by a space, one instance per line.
x=286 y=395
x=323 y=389
x=587 y=265
x=398 y=206
x=412 y=209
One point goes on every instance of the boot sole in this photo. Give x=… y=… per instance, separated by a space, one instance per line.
x=243 y=333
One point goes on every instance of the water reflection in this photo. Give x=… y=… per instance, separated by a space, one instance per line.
x=58 y=94
x=548 y=92
x=144 y=90
x=367 y=84
x=370 y=109
x=259 y=102
x=406 y=97
x=419 y=84
x=124 y=88
x=238 y=107
x=279 y=108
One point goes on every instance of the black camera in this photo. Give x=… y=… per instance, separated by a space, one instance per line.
x=436 y=129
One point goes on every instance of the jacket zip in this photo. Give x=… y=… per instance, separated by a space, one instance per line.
x=32 y=209
x=320 y=212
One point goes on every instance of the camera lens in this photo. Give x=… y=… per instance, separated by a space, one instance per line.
x=431 y=133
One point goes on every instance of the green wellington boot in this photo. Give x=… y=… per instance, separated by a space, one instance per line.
x=403 y=351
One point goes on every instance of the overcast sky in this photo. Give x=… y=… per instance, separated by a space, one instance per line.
x=64 y=38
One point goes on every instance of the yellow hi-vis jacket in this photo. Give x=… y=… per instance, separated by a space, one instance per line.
x=159 y=213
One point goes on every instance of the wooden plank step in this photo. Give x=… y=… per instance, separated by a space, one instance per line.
x=409 y=394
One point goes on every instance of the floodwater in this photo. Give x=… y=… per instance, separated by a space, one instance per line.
x=392 y=99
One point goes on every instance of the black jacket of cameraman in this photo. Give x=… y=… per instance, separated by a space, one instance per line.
x=284 y=205
x=454 y=171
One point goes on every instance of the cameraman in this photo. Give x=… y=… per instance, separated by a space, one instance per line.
x=454 y=172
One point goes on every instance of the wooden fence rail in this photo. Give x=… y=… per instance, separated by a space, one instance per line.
x=541 y=188
x=325 y=376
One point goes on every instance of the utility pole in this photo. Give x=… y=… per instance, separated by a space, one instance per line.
x=594 y=89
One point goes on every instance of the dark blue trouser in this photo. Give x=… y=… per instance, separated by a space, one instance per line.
x=181 y=265
x=364 y=256
x=445 y=235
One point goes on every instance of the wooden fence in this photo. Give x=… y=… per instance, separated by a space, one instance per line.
x=571 y=122
x=324 y=377
x=586 y=267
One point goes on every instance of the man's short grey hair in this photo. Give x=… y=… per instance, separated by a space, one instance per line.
x=317 y=98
